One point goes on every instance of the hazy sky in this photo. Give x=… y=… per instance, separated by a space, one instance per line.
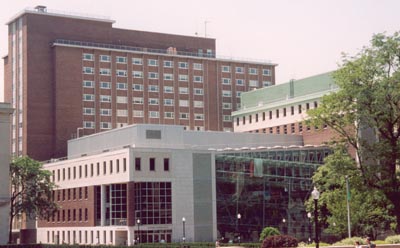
x=305 y=37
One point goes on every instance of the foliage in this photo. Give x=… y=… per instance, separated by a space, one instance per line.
x=369 y=208
x=268 y=231
x=144 y=245
x=279 y=241
x=350 y=241
x=365 y=113
x=395 y=239
x=31 y=190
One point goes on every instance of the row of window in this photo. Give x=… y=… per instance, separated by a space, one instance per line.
x=277 y=113
x=294 y=128
x=71 y=194
x=152 y=88
x=88 y=170
x=70 y=215
x=170 y=64
x=71 y=237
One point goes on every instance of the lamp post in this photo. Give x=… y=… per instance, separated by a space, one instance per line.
x=309 y=227
x=183 y=224
x=315 y=196
x=284 y=225
x=239 y=216
x=138 y=230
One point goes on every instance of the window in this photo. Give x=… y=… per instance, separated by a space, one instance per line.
x=292 y=110
x=266 y=83
x=105 y=58
x=153 y=75
x=197 y=66
x=137 y=74
x=168 y=76
x=239 y=70
x=88 y=70
x=88 y=124
x=153 y=101
x=122 y=86
x=122 y=112
x=253 y=71
x=121 y=73
x=315 y=104
x=121 y=60
x=198 y=104
x=238 y=94
x=137 y=61
x=300 y=127
x=184 y=116
x=198 y=79
x=152 y=163
x=168 y=63
x=263 y=116
x=250 y=118
x=183 y=90
x=88 y=111
x=256 y=117
x=239 y=82
x=277 y=113
x=183 y=65
x=226 y=93
x=226 y=68
x=299 y=108
x=105 y=85
x=227 y=118
x=199 y=117
x=227 y=105
x=183 y=103
x=183 y=78
x=137 y=87
x=105 y=71
x=105 y=125
x=111 y=167
x=138 y=100
x=88 y=56
x=166 y=164
x=266 y=72
x=153 y=88
x=88 y=84
x=253 y=83
x=137 y=113
x=168 y=89
x=226 y=81
x=198 y=91
x=122 y=99
x=105 y=98
x=154 y=114
x=307 y=106
x=292 y=128
x=270 y=115
x=88 y=97
x=244 y=120
x=169 y=115
x=168 y=102
x=284 y=112
x=152 y=62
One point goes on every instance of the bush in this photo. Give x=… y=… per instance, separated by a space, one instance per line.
x=279 y=241
x=350 y=241
x=395 y=239
x=268 y=231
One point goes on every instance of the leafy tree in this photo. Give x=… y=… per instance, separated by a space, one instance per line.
x=31 y=190
x=268 y=231
x=369 y=208
x=365 y=112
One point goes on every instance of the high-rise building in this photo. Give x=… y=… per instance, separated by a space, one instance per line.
x=70 y=75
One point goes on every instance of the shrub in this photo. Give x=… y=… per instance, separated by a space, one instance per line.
x=268 y=231
x=395 y=239
x=350 y=241
x=279 y=241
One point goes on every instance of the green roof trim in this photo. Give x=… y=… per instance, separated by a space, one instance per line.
x=302 y=88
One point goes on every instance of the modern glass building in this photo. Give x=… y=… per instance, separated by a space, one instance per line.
x=266 y=187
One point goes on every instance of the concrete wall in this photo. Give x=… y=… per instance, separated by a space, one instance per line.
x=5 y=111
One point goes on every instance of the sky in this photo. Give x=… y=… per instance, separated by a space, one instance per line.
x=304 y=37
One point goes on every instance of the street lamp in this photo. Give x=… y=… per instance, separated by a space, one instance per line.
x=183 y=223
x=315 y=196
x=138 y=230
x=238 y=217
x=309 y=226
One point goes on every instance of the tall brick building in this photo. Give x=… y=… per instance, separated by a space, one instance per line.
x=71 y=75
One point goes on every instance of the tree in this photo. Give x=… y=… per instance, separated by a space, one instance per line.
x=369 y=208
x=365 y=112
x=31 y=190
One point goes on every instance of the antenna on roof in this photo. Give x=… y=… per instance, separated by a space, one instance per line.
x=205 y=28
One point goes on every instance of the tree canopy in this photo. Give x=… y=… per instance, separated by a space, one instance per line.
x=365 y=112
x=31 y=190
